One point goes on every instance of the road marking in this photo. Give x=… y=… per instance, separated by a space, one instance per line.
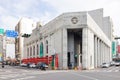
x=116 y=70
x=110 y=69
x=115 y=76
x=7 y=76
x=92 y=78
x=25 y=78
x=46 y=72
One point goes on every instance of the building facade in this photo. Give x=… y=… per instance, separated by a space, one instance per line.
x=25 y=25
x=79 y=39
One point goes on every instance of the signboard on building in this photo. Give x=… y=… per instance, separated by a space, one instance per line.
x=0 y=59
x=11 y=33
x=118 y=49
x=0 y=56
x=2 y=31
x=113 y=49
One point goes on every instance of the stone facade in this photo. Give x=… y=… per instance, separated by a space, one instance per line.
x=76 y=37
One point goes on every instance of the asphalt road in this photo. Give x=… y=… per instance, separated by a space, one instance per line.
x=19 y=73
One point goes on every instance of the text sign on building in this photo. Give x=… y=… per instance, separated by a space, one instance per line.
x=0 y=58
x=0 y=54
x=1 y=31
x=11 y=33
x=118 y=47
x=113 y=49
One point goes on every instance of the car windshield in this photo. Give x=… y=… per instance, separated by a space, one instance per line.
x=104 y=63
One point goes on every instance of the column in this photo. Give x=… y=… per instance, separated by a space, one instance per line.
x=110 y=54
x=64 y=48
x=98 y=52
x=102 y=52
x=95 y=52
x=84 y=48
x=105 y=54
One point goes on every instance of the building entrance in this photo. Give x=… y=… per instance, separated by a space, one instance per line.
x=74 y=47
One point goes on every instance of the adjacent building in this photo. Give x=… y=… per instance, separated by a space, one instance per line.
x=25 y=25
x=79 y=38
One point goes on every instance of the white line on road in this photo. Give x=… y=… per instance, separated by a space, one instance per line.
x=25 y=78
x=8 y=76
x=112 y=76
x=92 y=78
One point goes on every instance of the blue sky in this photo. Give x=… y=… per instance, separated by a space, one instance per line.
x=45 y=10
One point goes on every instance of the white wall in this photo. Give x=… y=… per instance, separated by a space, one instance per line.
x=27 y=25
x=10 y=50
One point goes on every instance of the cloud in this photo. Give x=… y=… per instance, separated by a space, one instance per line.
x=76 y=5
x=15 y=9
x=2 y=10
x=9 y=22
x=111 y=8
x=46 y=10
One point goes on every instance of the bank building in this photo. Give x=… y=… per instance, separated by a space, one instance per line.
x=78 y=38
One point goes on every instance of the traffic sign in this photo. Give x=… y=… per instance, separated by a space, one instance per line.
x=11 y=33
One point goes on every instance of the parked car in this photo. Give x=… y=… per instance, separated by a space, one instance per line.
x=105 y=65
x=112 y=63
x=41 y=66
x=117 y=63
x=32 y=65
x=23 y=64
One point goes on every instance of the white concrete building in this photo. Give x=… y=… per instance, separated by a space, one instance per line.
x=80 y=38
x=25 y=25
